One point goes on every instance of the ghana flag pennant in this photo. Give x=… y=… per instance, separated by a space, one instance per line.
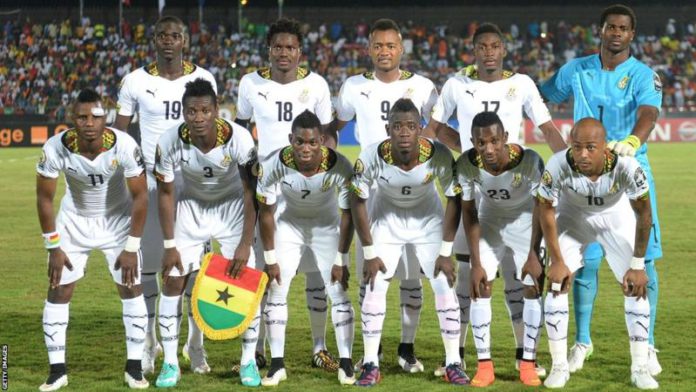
x=223 y=307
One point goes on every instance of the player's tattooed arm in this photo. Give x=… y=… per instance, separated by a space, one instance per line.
x=553 y=136
x=57 y=259
x=243 y=250
x=558 y=273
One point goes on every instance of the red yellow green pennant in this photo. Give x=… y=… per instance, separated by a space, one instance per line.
x=223 y=307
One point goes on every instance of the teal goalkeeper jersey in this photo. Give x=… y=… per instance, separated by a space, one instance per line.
x=613 y=97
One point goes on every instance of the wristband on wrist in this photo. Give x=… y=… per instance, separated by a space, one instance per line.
x=132 y=244
x=51 y=240
x=638 y=263
x=342 y=259
x=446 y=248
x=168 y=244
x=369 y=252
x=270 y=257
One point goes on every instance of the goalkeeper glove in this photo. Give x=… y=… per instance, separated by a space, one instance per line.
x=626 y=147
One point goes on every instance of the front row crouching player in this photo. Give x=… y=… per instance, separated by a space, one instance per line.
x=407 y=213
x=605 y=198
x=308 y=175
x=101 y=166
x=507 y=177
x=217 y=201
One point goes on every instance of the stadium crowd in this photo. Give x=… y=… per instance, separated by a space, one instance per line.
x=43 y=66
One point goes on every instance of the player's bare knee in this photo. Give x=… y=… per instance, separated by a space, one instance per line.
x=126 y=292
x=61 y=294
x=174 y=285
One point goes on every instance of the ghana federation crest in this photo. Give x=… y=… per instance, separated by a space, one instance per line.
x=623 y=83
x=223 y=306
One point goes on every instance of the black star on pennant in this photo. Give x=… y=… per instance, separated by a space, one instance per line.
x=224 y=295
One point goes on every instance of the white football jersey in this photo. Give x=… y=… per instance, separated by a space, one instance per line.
x=94 y=188
x=507 y=194
x=157 y=101
x=274 y=106
x=305 y=197
x=507 y=97
x=406 y=201
x=369 y=100
x=213 y=176
x=562 y=181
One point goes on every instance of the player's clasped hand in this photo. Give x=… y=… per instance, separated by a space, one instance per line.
x=532 y=267
x=57 y=259
x=170 y=260
x=128 y=263
x=370 y=270
x=559 y=274
x=239 y=261
x=341 y=275
x=446 y=266
x=478 y=278
x=635 y=283
x=273 y=272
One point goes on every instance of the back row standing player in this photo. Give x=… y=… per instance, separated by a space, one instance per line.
x=273 y=97
x=487 y=87
x=626 y=96
x=368 y=98
x=155 y=91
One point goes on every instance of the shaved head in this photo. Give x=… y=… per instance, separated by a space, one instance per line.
x=588 y=129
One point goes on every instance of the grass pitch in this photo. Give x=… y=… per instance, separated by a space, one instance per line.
x=96 y=348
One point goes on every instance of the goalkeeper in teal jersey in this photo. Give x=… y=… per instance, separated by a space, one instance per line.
x=625 y=95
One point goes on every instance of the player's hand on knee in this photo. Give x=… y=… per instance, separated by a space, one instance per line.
x=559 y=278
x=370 y=270
x=273 y=272
x=532 y=267
x=128 y=263
x=341 y=275
x=57 y=259
x=239 y=261
x=635 y=283
x=171 y=260
x=478 y=278
x=446 y=266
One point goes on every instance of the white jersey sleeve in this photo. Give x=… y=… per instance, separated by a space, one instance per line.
x=551 y=180
x=50 y=164
x=533 y=104
x=443 y=164
x=269 y=173
x=322 y=107
x=345 y=173
x=166 y=159
x=127 y=100
x=446 y=103
x=345 y=111
x=130 y=156
x=634 y=178
x=364 y=171
x=244 y=108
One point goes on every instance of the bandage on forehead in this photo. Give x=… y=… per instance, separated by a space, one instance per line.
x=98 y=111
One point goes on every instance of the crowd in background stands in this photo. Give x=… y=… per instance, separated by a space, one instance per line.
x=43 y=66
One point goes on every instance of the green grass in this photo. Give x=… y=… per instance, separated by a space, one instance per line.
x=96 y=349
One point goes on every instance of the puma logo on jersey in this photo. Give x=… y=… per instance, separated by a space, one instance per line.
x=70 y=169
x=151 y=92
x=287 y=183
x=186 y=161
x=366 y=94
x=264 y=95
x=384 y=179
x=470 y=92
